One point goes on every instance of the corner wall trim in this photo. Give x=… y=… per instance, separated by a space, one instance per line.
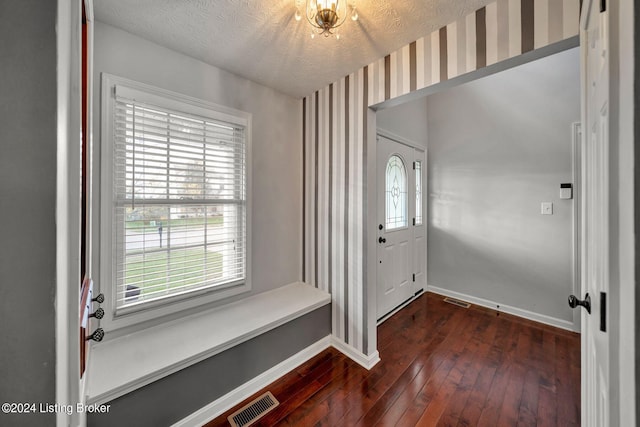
x=352 y=353
x=229 y=400
x=536 y=317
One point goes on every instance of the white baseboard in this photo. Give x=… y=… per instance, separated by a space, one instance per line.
x=229 y=400
x=537 y=317
x=357 y=356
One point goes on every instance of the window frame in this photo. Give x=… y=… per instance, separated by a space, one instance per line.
x=419 y=219
x=162 y=98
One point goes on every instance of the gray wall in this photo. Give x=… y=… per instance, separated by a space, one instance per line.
x=636 y=119
x=27 y=192
x=172 y=398
x=497 y=148
x=636 y=116
x=408 y=120
x=277 y=150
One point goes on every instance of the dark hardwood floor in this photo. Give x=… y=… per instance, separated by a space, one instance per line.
x=441 y=365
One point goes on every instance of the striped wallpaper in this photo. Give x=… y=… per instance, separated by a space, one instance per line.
x=335 y=148
x=499 y=31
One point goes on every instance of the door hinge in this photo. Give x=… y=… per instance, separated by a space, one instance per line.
x=414 y=165
x=414 y=221
x=414 y=277
x=603 y=6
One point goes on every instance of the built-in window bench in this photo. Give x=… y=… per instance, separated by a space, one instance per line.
x=121 y=365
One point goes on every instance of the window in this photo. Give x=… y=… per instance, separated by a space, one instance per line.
x=396 y=193
x=179 y=199
x=418 y=192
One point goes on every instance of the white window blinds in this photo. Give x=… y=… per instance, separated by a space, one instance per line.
x=179 y=211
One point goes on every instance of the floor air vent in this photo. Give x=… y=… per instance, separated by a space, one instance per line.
x=253 y=411
x=457 y=302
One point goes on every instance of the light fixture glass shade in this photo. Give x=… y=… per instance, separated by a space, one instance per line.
x=326 y=15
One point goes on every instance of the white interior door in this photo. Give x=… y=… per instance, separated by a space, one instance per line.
x=397 y=254
x=595 y=205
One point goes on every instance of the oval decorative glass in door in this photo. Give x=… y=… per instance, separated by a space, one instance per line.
x=395 y=193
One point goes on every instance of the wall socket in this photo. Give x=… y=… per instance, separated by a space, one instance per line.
x=546 y=208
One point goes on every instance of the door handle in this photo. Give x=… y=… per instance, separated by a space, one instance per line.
x=382 y=240
x=586 y=302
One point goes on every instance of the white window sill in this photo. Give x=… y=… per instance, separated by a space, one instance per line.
x=121 y=365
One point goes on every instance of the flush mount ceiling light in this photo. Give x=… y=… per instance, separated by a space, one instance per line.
x=325 y=16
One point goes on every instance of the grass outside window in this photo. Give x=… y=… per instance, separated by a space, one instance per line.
x=167 y=269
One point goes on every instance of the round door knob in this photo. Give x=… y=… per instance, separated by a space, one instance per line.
x=97 y=335
x=586 y=302
x=382 y=240
x=99 y=299
x=98 y=314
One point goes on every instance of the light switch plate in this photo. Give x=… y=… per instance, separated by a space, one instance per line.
x=566 y=193
x=546 y=208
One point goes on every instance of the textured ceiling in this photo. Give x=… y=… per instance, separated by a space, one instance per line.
x=261 y=41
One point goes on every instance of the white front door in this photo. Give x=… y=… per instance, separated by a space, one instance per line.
x=397 y=237
x=595 y=215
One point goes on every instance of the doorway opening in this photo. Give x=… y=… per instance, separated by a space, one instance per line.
x=501 y=186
